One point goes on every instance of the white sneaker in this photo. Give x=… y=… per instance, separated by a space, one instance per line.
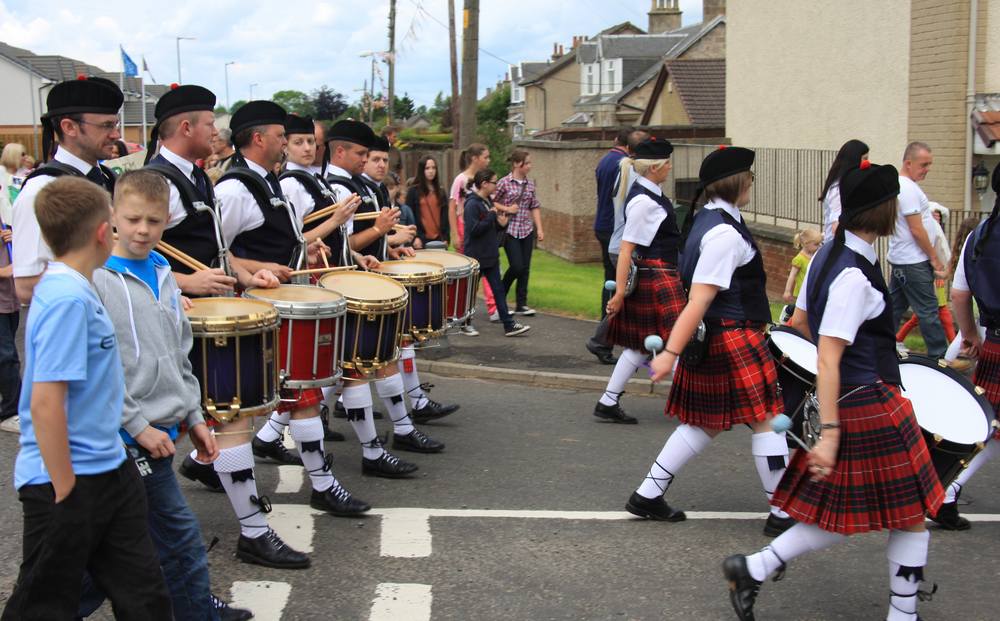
x=516 y=329
x=495 y=317
x=902 y=348
x=469 y=330
x=12 y=424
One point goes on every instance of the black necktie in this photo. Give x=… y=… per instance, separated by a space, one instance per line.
x=97 y=176
x=200 y=182
x=272 y=180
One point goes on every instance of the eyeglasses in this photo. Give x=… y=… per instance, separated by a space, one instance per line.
x=107 y=126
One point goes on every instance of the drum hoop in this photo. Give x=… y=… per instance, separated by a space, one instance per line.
x=305 y=309
x=977 y=394
x=373 y=306
x=235 y=325
x=435 y=275
x=782 y=358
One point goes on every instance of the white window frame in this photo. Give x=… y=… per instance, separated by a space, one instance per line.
x=590 y=79
x=611 y=72
x=517 y=94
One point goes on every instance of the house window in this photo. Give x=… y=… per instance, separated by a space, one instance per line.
x=588 y=84
x=612 y=82
x=517 y=95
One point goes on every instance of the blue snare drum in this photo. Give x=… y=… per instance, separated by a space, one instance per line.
x=374 y=321
x=427 y=285
x=233 y=356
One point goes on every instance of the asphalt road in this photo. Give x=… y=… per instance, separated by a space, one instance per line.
x=471 y=555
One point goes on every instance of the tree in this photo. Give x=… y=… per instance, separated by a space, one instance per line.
x=220 y=110
x=295 y=102
x=328 y=104
x=440 y=112
x=403 y=107
x=236 y=106
x=491 y=127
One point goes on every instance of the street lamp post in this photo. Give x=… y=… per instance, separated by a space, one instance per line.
x=251 y=90
x=226 y=69
x=178 y=42
x=371 y=98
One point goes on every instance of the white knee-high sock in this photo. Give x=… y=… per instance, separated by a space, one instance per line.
x=989 y=452
x=274 y=429
x=390 y=389
x=411 y=379
x=628 y=363
x=235 y=469
x=308 y=436
x=358 y=403
x=907 y=555
x=794 y=542
x=331 y=394
x=770 y=455
x=682 y=445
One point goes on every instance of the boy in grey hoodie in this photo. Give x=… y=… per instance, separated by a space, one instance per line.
x=147 y=310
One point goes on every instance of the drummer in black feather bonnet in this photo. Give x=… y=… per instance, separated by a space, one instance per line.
x=976 y=278
x=651 y=233
x=870 y=469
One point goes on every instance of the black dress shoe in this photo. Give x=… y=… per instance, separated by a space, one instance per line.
x=275 y=450
x=776 y=525
x=388 y=466
x=653 y=509
x=229 y=613
x=948 y=517
x=329 y=435
x=270 y=551
x=605 y=355
x=613 y=413
x=202 y=473
x=432 y=411
x=338 y=501
x=416 y=441
x=743 y=589
x=340 y=412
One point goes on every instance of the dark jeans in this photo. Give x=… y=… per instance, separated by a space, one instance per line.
x=492 y=276
x=177 y=537
x=604 y=238
x=10 y=365
x=100 y=528
x=519 y=265
x=912 y=286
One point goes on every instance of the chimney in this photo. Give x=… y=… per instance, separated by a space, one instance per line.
x=710 y=9
x=555 y=51
x=562 y=50
x=664 y=16
x=577 y=40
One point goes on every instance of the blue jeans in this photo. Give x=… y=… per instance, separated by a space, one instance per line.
x=912 y=286
x=176 y=534
x=10 y=365
x=492 y=276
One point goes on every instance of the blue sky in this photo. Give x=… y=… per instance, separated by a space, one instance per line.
x=302 y=45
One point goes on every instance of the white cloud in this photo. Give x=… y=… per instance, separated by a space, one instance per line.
x=301 y=45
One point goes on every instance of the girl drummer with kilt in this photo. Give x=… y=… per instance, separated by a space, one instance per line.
x=736 y=381
x=651 y=233
x=871 y=469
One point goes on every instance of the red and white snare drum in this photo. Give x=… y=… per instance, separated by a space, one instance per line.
x=462 y=280
x=311 y=337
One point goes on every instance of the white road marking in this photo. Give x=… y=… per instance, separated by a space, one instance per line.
x=267 y=600
x=290 y=479
x=295 y=524
x=406 y=532
x=394 y=601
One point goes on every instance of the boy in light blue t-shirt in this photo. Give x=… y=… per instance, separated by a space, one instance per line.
x=83 y=503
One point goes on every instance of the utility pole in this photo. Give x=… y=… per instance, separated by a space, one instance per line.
x=392 y=60
x=470 y=72
x=452 y=45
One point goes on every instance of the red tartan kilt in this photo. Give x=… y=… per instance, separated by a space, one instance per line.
x=308 y=397
x=651 y=309
x=736 y=383
x=883 y=478
x=987 y=375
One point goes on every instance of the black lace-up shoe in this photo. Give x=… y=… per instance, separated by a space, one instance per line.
x=417 y=442
x=743 y=589
x=388 y=466
x=201 y=473
x=604 y=354
x=948 y=517
x=432 y=410
x=653 y=509
x=275 y=450
x=614 y=414
x=329 y=434
x=338 y=501
x=227 y=612
x=270 y=551
x=775 y=525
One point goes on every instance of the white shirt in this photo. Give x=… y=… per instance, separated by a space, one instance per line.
x=616 y=236
x=903 y=249
x=723 y=250
x=852 y=300
x=297 y=194
x=831 y=211
x=31 y=253
x=240 y=212
x=643 y=215
x=341 y=192
x=177 y=211
x=960 y=281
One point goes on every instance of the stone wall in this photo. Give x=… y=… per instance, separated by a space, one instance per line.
x=776 y=249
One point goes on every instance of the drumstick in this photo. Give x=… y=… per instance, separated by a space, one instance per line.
x=178 y=256
x=319 y=215
x=319 y=270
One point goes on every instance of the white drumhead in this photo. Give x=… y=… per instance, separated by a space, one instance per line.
x=799 y=350
x=942 y=405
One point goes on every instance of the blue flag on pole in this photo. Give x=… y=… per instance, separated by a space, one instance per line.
x=129 y=67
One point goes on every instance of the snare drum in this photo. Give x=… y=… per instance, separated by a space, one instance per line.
x=462 y=275
x=311 y=338
x=794 y=353
x=954 y=415
x=373 y=325
x=425 y=282
x=233 y=356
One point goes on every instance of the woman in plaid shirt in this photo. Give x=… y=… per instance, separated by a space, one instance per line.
x=516 y=190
